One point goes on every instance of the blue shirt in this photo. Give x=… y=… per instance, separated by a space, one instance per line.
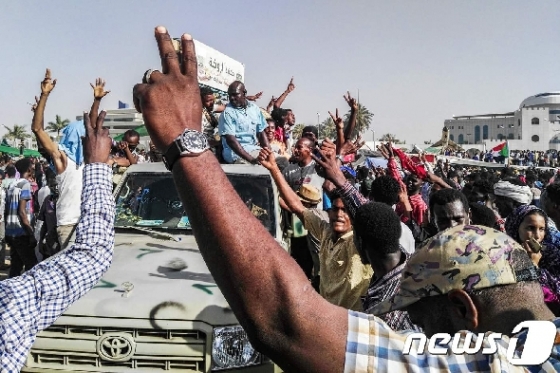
x=244 y=124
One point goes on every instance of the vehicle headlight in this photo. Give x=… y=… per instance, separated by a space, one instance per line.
x=231 y=349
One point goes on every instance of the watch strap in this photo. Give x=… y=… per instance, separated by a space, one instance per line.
x=172 y=154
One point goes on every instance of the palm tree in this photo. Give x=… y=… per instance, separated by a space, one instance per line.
x=363 y=120
x=297 y=131
x=390 y=137
x=57 y=126
x=327 y=129
x=16 y=133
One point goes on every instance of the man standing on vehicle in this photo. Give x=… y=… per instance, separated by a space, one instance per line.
x=241 y=126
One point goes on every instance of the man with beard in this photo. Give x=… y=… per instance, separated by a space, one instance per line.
x=344 y=278
x=241 y=126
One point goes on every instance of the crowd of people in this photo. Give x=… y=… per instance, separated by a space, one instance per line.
x=376 y=253
x=527 y=158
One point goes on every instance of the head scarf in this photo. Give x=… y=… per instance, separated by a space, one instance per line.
x=549 y=266
x=518 y=193
x=71 y=141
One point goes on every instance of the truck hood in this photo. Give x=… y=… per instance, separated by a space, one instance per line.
x=156 y=279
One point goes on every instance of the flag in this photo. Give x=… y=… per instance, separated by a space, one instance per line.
x=123 y=105
x=501 y=150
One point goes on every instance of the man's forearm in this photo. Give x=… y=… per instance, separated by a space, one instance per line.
x=351 y=125
x=286 y=193
x=263 y=140
x=238 y=149
x=352 y=199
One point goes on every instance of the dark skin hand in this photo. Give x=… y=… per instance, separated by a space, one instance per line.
x=353 y=115
x=281 y=313
x=38 y=125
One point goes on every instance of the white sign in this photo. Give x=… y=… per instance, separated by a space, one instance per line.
x=215 y=69
x=537 y=348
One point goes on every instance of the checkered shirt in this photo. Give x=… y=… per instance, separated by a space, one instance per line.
x=372 y=346
x=33 y=301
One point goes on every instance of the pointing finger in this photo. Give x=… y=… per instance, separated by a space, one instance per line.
x=87 y=124
x=100 y=121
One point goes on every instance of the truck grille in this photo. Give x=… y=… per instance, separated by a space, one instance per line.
x=75 y=347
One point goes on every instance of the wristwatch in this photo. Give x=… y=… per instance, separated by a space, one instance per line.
x=340 y=158
x=190 y=143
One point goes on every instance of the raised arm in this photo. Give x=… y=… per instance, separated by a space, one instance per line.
x=38 y=124
x=290 y=89
x=339 y=124
x=98 y=93
x=290 y=198
x=45 y=292
x=353 y=115
x=282 y=314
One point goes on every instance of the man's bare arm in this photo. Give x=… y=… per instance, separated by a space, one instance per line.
x=38 y=124
x=238 y=149
x=98 y=93
x=269 y=294
x=278 y=103
x=353 y=116
x=290 y=198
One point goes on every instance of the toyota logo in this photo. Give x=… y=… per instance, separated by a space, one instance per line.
x=116 y=347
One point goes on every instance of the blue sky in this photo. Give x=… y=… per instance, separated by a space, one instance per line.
x=414 y=62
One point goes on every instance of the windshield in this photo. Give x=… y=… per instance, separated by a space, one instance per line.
x=150 y=200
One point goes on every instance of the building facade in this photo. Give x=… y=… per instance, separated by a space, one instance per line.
x=534 y=126
x=118 y=121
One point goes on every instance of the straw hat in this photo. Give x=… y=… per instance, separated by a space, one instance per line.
x=309 y=194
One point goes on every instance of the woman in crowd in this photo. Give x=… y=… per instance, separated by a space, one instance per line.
x=530 y=226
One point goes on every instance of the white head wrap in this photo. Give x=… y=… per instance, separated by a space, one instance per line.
x=518 y=193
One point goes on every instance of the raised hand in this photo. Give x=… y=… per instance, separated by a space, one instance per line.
x=291 y=85
x=350 y=147
x=329 y=164
x=47 y=85
x=96 y=143
x=267 y=159
x=389 y=147
x=99 y=89
x=254 y=97
x=338 y=122
x=351 y=101
x=170 y=101
x=34 y=106
x=381 y=149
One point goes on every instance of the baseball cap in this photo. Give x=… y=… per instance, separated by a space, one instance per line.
x=466 y=257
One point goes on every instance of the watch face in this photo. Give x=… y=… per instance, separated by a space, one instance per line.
x=194 y=142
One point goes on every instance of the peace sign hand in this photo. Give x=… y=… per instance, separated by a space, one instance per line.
x=351 y=101
x=339 y=123
x=291 y=85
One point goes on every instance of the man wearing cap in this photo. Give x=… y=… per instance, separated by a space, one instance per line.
x=344 y=278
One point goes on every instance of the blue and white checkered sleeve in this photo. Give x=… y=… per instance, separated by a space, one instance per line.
x=68 y=276
x=372 y=346
x=34 y=300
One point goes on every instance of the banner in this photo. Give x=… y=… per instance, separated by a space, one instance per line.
x=215 y=69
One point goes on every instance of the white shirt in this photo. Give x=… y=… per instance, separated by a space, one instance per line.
x=407 y=239
x=42 y=194
x=70 y=194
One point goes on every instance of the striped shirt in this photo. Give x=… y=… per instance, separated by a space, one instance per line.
x=18 y=190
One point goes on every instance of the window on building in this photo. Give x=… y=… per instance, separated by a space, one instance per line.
x=519 y=123
x=511 y=125
x=485 y=132
x=451 y=137
x=535 y=121
x=510 y=136
x=476 y=134
x=501 y=136
x=519 y=137
x=461 y=139
x=535 y=138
